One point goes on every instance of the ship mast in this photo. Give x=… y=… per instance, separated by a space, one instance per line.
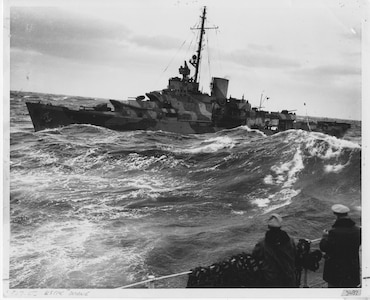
x=200 y=45
x=196 y=63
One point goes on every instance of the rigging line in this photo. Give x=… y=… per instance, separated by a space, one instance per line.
x=209 y=62
x=218 y=51
x=178 y=50
x=191 y=43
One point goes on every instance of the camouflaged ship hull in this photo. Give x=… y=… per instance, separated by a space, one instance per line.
x=144 y=115
x=46 y=116
x=165 y=112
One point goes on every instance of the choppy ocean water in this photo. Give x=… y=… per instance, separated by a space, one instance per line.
x=95 y=208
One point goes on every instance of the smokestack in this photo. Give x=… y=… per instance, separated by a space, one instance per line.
x=219 y=87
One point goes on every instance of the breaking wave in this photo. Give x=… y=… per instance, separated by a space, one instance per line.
x=95 y=208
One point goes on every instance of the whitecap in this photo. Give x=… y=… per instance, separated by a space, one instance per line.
x=212 y=145
x=261 y=202
x=334 y=168
x=286 y=172
x=280 y=199
x=327 y=147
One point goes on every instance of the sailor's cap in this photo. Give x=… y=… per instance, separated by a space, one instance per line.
x=275 y=220
x=339 y=209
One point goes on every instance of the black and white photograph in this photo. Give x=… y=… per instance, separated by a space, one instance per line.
x=192 y=148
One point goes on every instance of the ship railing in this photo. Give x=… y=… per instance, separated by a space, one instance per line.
x=150 y=281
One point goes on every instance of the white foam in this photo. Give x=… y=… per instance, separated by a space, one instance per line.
x=277 y=200
x=261 y=202
x=59 y=251
x=327 y=147
x=248 y=129
x=136 y=161
x=283 y=195
x=286 y=172
x=294 y=168
x=276 y=206
x=212 y=145
x=238 y=212
x=281 y=199
x=268 y=179
x=334 y=168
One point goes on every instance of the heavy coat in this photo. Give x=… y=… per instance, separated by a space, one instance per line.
x=341 y=245
x=277 y=252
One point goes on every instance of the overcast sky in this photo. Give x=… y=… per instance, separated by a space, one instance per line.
x=294 y=52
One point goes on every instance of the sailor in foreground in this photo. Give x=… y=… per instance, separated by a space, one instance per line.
x=277 y=252
x=341 y=245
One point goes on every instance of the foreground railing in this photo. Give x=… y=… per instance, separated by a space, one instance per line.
x=151 y=279
x=150 y=282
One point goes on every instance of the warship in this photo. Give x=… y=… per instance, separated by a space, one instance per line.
x=180 y=108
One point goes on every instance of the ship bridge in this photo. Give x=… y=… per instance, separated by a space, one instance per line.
x=182 y=86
